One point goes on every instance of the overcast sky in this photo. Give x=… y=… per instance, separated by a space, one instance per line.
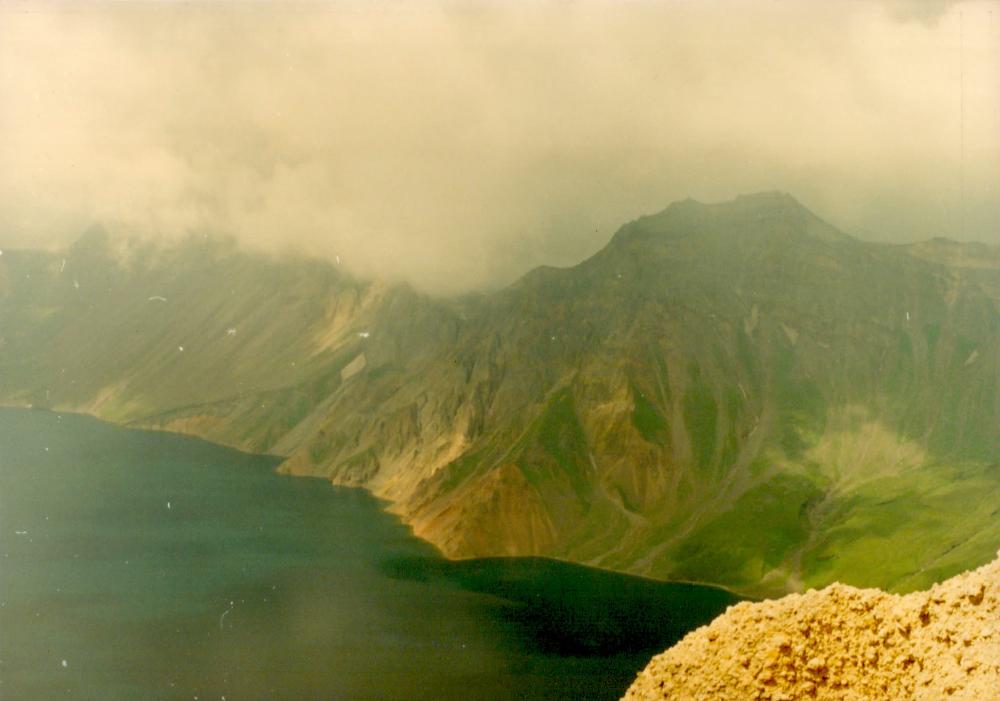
x=457 y=145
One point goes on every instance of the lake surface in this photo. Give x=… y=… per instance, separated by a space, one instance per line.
x=142 y=565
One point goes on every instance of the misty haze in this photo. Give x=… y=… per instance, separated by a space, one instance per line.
x=486 y=350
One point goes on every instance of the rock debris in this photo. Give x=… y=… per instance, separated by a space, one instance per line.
x=844 y=644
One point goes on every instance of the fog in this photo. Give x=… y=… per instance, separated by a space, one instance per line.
x=457 y=145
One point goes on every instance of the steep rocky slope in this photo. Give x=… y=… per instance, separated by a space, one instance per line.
x=213 y=340
x=735 y=393
x=841 y=644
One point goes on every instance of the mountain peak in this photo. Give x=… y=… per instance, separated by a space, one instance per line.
x=772 y=202
x=767 y=197
x=94 y=236
x=750 y=215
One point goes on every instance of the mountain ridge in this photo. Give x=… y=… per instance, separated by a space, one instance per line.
x=737 y=365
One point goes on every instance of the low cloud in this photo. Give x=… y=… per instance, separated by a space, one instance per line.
x=458 y=145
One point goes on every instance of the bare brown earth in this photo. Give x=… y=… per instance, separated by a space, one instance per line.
x=842 y=643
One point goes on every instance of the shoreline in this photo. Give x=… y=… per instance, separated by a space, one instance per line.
x=383 y=503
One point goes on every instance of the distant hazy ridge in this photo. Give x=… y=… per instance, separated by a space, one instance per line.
x=734 y=393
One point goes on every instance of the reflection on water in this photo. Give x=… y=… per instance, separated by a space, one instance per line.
x=146 y=565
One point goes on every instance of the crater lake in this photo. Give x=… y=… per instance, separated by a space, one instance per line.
x=146 y=565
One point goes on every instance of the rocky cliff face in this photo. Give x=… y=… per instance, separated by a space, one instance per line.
x=842 y=643
x=734 y=393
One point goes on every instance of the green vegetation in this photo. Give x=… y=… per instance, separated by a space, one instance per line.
x=562 y=437
x=758 y=534
x=647 y=418
x=457 y=471
x=907 y=531
x=700 y=415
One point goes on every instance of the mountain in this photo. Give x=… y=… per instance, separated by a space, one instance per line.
x=735 y=393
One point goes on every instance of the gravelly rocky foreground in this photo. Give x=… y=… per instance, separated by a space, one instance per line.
x=842 y=643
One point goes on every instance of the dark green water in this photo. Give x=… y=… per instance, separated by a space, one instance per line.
x=138 y=565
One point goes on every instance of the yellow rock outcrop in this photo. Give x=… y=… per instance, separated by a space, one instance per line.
x=842 y=643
